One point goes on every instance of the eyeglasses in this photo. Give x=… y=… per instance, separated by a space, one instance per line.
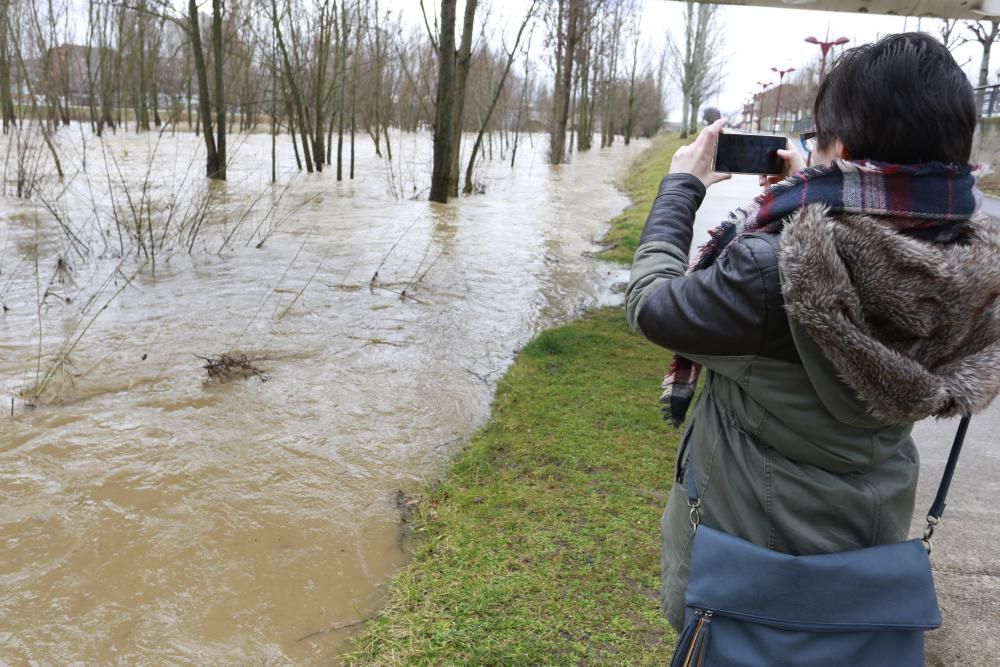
x=808 y=141
x=809 y=145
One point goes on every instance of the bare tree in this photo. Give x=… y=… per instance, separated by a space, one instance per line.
x=630 y=118
x=324 y=32
x=985 y=33
x=950 y=36
x=6 y=100
x=697 y=63
x=462 y=61
x=511 y=55
x=295 y=103
x=566 y=25
x=343 y=37
x=215 y=145
x=444 y=113
x=47 y=121
x=610 y=86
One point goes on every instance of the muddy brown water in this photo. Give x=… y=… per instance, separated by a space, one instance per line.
x=152 y=516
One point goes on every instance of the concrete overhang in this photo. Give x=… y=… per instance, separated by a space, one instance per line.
x=955 y=9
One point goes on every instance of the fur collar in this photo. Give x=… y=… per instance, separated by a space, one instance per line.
x=913 y=326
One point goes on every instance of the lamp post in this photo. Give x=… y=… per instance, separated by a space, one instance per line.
x=781 y=78
x=763 y=87
x=825 y=48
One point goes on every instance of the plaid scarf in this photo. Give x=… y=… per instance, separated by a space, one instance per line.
x=909 y=196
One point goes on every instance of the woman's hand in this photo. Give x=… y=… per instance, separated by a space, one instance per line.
x=794 y=163
x=696 y=159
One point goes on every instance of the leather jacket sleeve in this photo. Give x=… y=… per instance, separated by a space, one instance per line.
x=721 y=310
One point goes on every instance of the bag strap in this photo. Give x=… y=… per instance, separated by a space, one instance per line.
x=694 y=502
x=933 y=514
x=937 y=507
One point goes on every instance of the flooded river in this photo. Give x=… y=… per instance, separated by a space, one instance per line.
x=151 y=515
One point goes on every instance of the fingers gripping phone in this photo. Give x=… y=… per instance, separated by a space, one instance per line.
x=748 y=154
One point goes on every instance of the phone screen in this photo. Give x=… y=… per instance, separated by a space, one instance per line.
x=748 y=154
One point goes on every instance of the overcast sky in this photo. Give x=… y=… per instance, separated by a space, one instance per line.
x=756 y=38
x=759 y=38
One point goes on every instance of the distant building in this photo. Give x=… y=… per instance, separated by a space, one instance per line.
x=68 y=77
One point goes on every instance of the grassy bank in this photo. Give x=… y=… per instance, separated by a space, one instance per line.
x=641 y=185
x=541 y=545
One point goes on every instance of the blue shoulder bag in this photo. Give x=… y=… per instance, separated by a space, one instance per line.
x=748 y=606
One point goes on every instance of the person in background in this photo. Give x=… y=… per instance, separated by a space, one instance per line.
x=848 y=301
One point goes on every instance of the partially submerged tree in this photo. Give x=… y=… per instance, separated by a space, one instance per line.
x=510 y=56
x=565 y=25
x=215 y=146
x=445 y=100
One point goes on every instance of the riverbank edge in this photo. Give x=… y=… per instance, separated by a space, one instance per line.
x=540 y=545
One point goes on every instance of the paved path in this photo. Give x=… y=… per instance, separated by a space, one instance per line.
x=966 y=554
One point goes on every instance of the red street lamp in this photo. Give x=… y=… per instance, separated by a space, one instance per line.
x=781 y=78
x=825 y=48
x=763 y=87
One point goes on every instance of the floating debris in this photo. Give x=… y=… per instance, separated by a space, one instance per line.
x=226 y=367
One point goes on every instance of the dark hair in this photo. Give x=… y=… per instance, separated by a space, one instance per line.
x=903 y=99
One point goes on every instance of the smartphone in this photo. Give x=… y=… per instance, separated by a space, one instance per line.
x=748 y=154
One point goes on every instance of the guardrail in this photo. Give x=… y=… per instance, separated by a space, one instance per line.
x=988 y=100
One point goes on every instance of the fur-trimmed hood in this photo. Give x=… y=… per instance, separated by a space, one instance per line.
x=913 y=326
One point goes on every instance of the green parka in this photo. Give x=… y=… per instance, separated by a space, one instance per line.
x=801 y=436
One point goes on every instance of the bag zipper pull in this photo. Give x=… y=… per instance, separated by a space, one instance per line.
x=695 y=656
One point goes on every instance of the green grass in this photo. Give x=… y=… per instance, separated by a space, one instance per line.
x=541 y=544
x=641 y=185
x=990 y=184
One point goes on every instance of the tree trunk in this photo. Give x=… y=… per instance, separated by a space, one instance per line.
x=557 y=152
x=274 y=111
x=329 y=139
x=558 y=78
x=345 y=31
x=584 y=124
x=378 y=80
x=291 y=133
x=89 y=63
x=204 y=98
x=444 y=113
x=354 y=88
x=493 y=104
x=323 y=53
x=141 y=113
x=6 y=101
x=293 y=87
x=630 y=117
x=462 y=63
x=608 y=131
x=153 y=57
x=220 y=93
x=987 y=44
x=685 y=113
